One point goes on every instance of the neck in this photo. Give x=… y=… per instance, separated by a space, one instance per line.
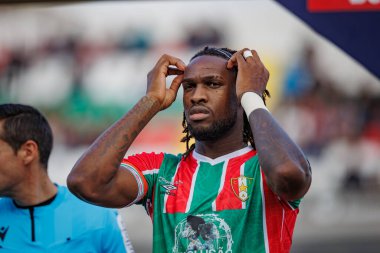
x=230 y=142
x=215 y=150
x=35 y=189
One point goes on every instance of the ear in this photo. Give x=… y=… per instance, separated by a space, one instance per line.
x=28 y=152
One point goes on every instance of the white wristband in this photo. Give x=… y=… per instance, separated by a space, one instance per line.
x=252 y=101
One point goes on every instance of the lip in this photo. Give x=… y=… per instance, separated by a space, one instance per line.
x=198 y=113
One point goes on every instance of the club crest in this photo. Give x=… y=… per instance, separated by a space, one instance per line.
x=242 y=186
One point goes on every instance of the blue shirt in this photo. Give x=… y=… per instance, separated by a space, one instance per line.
x=65 y=224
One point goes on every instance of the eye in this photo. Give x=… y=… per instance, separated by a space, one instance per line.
x=213 y=84
x=187 y=86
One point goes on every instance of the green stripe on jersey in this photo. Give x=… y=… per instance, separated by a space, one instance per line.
x=207 y=185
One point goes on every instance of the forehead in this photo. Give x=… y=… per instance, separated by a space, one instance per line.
x=206 y=65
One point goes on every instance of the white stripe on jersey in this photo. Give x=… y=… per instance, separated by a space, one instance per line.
x=243 y=204
x=140 y=184
x=282 y=223
x=222 y=180
x=265 y=232
x=191 y=194
x=150 y=172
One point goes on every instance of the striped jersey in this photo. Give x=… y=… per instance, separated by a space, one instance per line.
x=208 y=205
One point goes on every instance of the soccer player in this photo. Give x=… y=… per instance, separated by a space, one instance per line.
x=37 y=215
x=237 y=189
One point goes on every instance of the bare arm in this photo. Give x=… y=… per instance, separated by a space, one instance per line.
x=286 y=169
x=97 y=176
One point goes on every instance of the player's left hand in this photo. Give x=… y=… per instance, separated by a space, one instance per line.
x=252 y=75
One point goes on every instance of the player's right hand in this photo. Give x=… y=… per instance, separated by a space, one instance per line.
x=156 y=87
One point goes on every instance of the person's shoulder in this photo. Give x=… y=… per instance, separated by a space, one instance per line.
x=92 y=215
x=82 y=206
x=6 y=208
x=5 y=203
x=173 y=156
x=147 y=161
x=172 y=159
x=155 y=154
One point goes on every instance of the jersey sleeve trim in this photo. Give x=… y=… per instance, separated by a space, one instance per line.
x=141 y=182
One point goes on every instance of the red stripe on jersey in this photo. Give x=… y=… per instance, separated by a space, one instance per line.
x=145 y=161
x=227 y=199
x=280 y=221
x=184 y=176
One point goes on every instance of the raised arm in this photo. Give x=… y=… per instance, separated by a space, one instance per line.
x=97 y=177
x=286 y=169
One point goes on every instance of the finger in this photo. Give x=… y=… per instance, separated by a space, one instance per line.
x=171 y=65
x=232 y=61
x=174 y=71
x=162 y=66
x=167 y=60
x=174 y=86
x=255 y=54
x=176 y=83
x=256 y=57
x=178 y=63
x=240 y=59
x=248 y=55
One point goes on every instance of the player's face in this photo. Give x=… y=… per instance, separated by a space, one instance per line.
x=209 y=97
x=10 y=167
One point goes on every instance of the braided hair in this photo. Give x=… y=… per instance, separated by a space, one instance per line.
x=224 y=53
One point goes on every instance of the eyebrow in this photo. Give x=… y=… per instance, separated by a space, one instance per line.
x=204 y=78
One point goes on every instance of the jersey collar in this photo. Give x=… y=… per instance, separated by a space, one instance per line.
x=222 y=158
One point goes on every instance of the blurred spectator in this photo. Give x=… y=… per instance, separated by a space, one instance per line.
x=372 y=127
x=300 y=77
x=326 y=122
x=135 y=39
x=204 y=34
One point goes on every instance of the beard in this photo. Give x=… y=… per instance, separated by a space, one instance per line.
x=217 y=129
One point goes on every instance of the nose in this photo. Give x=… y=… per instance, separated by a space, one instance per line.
x=199 y=94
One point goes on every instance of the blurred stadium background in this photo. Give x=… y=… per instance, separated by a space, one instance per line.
x=85 y=64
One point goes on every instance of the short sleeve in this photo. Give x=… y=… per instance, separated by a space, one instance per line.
x=145 y=167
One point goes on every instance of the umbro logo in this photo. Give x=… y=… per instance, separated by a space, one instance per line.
x=3 y=233
x=169 y=188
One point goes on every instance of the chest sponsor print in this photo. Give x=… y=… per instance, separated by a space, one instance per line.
x=204 y=233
